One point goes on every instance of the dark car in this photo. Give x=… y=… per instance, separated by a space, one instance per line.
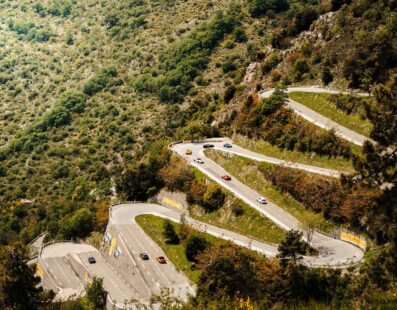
x=144 y=256
x=226 y=177
x=228 y=145
x=91 y=260
x=207 y=146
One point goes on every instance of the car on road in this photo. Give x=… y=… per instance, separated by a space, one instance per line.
x=188 y=152
x=261 y=200
x=226 y=177
x=199 y=160
x=161 y=259
x=144 y=256
x=91 y=260
x=228 y=145
x=207 y=146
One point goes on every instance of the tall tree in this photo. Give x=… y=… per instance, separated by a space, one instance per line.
x=97 y=294
x=169 y=233
x=377 y=167
x=292 y=247
x=18 y=283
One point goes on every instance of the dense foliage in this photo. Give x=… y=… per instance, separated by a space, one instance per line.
x=269 y=120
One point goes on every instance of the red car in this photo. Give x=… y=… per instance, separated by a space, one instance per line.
x=226 y=177
x=161 y=259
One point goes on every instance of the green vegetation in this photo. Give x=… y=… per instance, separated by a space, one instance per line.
x=185 y=62
x=270 y=120
x=108 y=140
x=265 y=148
x=247 y=172
x=322 y=104
x=210 y=203
x=175 y=252
x=236 y=216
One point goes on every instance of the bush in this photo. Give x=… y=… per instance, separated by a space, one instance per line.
x=73 y=101
x=57 y=117
x=214 y=197
x=194 y=246
x=260 y=7
x=99 y=81
x=79 y=225
x=300 y=67
x=229 y=93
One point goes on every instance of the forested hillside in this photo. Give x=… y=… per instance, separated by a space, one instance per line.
x=93 y=91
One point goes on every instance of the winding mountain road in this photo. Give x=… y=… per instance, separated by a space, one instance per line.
x=333 y=252
x=128 y=278
x=318 y=119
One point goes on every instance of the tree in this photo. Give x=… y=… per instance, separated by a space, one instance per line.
x=194 y=245
x=300 y=67
x=309 y=226
x=176 y=175
x=229 y=93
x=96 y=293
x=169 y=233
x=292 y=247
x=18 y=284
x=260 y=7
x=214 y=197
x=377 y=167
x=79 y=225
x=326 y=76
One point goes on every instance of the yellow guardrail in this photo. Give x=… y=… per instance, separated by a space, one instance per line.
x=40 y=271
x=171 y=203
x=359 y=241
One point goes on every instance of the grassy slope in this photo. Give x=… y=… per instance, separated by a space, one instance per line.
x=321 y=104
x=265 y=148
x=152 y=225
x=247 y=172
x=251 y=223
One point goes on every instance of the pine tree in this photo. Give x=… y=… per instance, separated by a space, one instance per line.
x=169 y=233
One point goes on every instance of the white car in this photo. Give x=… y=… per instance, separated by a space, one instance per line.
x=261 y=200
x=199 y=160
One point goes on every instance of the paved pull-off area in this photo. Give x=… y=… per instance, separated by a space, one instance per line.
x=318 y=119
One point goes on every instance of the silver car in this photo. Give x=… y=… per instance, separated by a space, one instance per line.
x=261 y=200
x=199 y=160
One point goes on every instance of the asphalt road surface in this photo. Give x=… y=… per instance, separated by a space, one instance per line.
x=318 y=119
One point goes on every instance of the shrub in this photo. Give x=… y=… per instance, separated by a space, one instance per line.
x=229 y=93
x=214 y=197
x=300 y=67
x=194 y=246
x=260 y=7
x=99 y=81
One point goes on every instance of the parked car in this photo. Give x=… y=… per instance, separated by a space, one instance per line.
x=161 y=259
x=188 y=152
x=207 y=146
x=199 y=160
x=228 y=145
x=91 y=260
x=261 y=200
x=226 y=177
x=144 y=256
